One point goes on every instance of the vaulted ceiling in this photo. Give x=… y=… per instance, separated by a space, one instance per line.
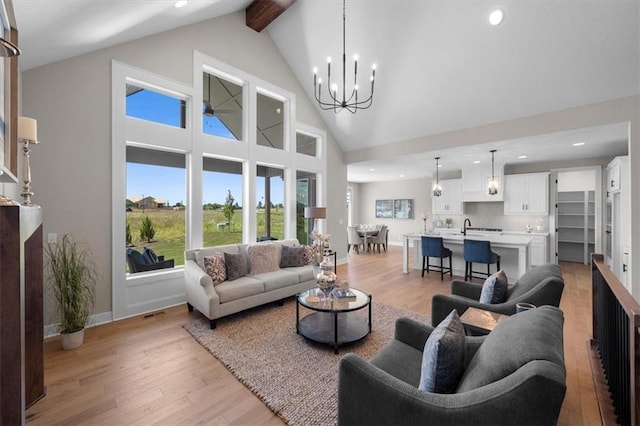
x=441 y=66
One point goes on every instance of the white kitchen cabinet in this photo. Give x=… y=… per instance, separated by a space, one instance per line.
x=450 y=202
x=613 y=176
x=620 y=219
x=526 y=194
x=538 y=249
x=475 y=181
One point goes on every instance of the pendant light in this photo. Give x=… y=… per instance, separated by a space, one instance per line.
x=492 y=189
x=437 y=189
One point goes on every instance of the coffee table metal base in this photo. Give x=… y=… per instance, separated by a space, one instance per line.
x=334 y=328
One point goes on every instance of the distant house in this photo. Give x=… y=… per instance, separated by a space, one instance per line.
x=147 y=202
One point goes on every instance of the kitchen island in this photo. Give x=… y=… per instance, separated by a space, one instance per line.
x=513 y=251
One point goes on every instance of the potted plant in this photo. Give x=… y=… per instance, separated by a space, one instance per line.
x=72 y=277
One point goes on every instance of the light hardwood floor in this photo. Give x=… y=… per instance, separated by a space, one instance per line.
x=147 y=369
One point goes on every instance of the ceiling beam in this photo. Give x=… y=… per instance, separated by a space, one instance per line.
x=260 y=13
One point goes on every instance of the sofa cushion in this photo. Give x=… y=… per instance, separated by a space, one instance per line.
x=236 y=264
x=400 y=360
x=262 y=258
x=532 y=335
x=215 y=267
x=443 y=356
x=495 y=289
x=310 y=254
x=305 y=273
x=240 y=288
x=292 y=256
x=277 y=279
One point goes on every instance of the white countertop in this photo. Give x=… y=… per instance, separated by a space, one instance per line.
x=494 y=237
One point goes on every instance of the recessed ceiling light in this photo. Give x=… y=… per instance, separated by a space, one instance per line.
x=439 y=165
x=181 y=3
x=476 y=162
x=401 y=175
x=522 y=156
x=495 y=17
x=372 y=170
x=578 y=144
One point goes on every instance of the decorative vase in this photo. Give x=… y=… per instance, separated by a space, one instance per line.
x=72 y=340
x=325 y=277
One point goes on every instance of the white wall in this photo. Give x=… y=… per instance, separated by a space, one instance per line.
x=580 y=180
x=71 y=99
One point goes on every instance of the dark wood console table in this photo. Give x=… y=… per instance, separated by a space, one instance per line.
x=21 y=311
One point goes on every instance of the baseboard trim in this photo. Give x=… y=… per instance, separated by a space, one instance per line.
x=51 y=330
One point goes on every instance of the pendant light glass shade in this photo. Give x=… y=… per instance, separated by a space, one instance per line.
x=492 y=189
x=437 y=189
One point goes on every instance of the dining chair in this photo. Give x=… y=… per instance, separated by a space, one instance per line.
x=354 y=240
x=380 y=240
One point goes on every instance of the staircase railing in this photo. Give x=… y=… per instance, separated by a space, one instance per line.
x=615 y=347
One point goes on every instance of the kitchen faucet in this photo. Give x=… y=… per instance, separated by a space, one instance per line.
x=464 y=226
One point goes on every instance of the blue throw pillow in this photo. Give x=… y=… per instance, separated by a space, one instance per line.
x=495 y=289
x=443 y=356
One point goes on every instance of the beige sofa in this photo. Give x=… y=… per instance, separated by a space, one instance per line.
x=229 y=297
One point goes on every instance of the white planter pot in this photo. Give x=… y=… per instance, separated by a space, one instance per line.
x=72 y=340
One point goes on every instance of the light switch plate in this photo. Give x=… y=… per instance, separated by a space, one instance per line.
x=52 y=238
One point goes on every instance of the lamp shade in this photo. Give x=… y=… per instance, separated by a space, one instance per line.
x=27 y=129
x=315 y=212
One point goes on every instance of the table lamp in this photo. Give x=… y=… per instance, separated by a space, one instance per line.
x=28 y=135
x=315 y=213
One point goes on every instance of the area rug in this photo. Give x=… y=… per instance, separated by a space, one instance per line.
x=296 y=378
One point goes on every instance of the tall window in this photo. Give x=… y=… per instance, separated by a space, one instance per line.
x=156 y=182
x=222 y=198
x=270 y=122
x=221 y=107
x=270 y=203
x=305 y=197
x=154 y=106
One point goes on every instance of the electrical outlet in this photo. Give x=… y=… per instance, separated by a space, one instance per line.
x=340 y=221
x=52 y=238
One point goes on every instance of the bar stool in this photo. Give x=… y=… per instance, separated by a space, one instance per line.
x=478 y=251
x=433 y=247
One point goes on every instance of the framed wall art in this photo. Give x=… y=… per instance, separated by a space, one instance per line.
x=403 y=209
x=384 y=209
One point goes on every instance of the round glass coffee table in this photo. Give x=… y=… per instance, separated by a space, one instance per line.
x=333 y=321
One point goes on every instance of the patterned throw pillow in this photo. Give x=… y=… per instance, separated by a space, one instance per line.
x=292 y=256
x=310 y=254
x=215 y=267
x=443 y=356
x=262 y=258
x=236 y=265
x=495 y=289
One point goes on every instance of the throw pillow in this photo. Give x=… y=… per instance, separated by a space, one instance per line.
x=443 y=356
x=262 y=258
x=495 y=289
x=292 y=256
x=310 y=254
x=215 y=267
x=236 y=265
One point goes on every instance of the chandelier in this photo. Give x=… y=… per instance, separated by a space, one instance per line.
x=351 y=104
x=492 y=189
x=437 y=189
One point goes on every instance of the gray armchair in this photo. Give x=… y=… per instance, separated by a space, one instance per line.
x=542 y=285
x=515 y=375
